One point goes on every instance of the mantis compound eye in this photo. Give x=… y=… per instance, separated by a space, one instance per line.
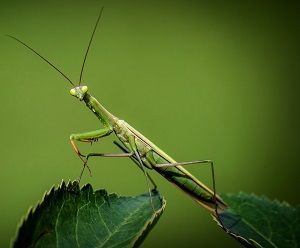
x=73 y=92
x=84 y=89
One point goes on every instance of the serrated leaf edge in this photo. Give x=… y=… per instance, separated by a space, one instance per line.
x=70 y=185
x=34 y=208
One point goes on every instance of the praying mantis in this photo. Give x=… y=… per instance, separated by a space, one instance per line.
x=136 y=146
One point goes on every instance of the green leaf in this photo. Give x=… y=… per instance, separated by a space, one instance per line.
x=74 y=217
x=260 y=222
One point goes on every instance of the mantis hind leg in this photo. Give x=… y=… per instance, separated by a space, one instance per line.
x=210 y=162
x=161 y=163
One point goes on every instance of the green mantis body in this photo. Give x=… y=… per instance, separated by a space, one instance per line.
x=136 y=146
x=144 y=151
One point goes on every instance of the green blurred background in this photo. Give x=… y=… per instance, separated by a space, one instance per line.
x=213 y=81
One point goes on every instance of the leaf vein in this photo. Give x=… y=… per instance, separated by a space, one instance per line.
x=56 y=223
x=121 y=224
x=76 y=225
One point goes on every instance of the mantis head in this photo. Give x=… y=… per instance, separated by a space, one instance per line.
x=79 y=92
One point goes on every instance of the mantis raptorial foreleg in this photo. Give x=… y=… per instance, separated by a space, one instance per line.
x=87 y=137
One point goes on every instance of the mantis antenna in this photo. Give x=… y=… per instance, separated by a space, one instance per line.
x=90 y=42
x=52 y=65
x=46 y=60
